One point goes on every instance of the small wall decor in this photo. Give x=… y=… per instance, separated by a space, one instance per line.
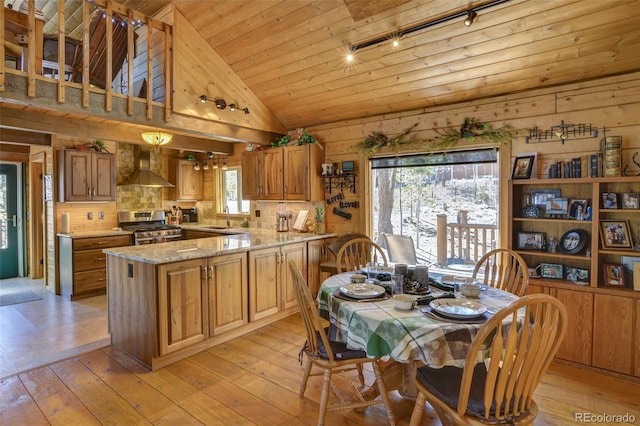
x=614 y=234
x=530 y=241
x=613 y=274
x=574 y=241
x=342 y=213
x=562 y=132
x=522 y=167
x=349 y=204
x=339 y=196
x=630 y=200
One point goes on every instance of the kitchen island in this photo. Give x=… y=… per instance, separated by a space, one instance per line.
x=170 y=300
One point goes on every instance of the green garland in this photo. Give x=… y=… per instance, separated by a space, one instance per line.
x=448 y=136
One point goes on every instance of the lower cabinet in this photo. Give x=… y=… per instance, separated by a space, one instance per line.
x=603 y=328
x=228 y=302
x=182 y=310
x=577 y=343
x=270 y=284
x=613 y=318
x=82 y=264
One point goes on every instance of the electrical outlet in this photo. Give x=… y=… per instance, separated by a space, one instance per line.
x=21 y=39
x=90 y=215
x=101 y=215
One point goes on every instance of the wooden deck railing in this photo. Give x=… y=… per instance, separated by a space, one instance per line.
x=467 y=242
x=31 y=60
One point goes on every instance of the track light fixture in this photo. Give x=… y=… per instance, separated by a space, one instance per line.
x=471 y=15
x=222 y=104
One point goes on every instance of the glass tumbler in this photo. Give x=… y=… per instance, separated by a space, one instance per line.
x=458 y=286
x=372 y=270
x=397 y=284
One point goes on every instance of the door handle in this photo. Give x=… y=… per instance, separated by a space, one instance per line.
x=15 y=220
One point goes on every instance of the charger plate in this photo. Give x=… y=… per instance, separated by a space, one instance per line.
x=362 y=290
x=458 y=308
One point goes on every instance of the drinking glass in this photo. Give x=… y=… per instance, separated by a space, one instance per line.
x=458 y=286
x=372 y=270
x=397 y=284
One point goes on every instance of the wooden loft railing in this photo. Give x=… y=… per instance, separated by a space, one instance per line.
x=31 y=56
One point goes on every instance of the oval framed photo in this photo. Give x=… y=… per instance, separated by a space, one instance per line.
x=573 y=241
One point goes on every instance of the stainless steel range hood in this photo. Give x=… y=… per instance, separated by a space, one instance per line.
x=142 y=174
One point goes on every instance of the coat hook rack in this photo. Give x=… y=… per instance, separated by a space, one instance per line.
x=562 y=132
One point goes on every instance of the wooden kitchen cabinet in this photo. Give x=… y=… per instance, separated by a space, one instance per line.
x=613 y=318
x=82 y=265
x=85 y=176
x=270 y=286
x=189 y=183
x=286 y=173
x=577 y=344
x=228 y=302
x=182 y=306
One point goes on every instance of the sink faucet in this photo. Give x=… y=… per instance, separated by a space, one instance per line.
x=226 y=209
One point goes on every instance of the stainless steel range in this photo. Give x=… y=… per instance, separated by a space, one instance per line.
x=148 y=226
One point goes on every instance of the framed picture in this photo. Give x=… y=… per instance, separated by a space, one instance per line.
x=557 y=207
x=577 y=275
x=578 y=209
x=522 y=167
x=539 y=197
x=630 y=200
x=530 y=241
x=613 y=274
x=614 y=234
x=48 y=187
x=348 y=166
x=551 y=270
x=574 y=241
x=609 y=200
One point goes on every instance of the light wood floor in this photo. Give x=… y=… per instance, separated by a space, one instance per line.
x=249 y=380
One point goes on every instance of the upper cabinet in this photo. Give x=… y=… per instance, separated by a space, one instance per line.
x=286 y=173
x=189 y=182
x=86 y=176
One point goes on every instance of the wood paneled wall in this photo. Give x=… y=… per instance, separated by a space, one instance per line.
x=610 y=102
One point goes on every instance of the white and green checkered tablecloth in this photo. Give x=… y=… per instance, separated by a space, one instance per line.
x=382 y=330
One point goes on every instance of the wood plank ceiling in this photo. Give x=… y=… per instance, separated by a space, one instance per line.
x=290 y=53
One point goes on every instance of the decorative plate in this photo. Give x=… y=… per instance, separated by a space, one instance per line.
x=362 y=290
x=458 y=308
x=573 y=241
x=531 y=211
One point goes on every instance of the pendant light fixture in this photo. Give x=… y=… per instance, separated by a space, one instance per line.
x=156 y=138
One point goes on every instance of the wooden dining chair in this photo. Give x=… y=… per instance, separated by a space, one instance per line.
x=329 y=266
x=503 y=269
x=358 y=252
x=502 y=368
x=332 y=357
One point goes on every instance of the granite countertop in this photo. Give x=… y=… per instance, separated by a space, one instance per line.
x=91 y=234
x=176 y=251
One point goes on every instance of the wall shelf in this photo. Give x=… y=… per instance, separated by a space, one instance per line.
x=345 y=180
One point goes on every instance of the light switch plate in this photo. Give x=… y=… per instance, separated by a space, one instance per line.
x=90 y=215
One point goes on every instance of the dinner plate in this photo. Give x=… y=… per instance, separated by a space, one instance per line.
x=362 y=290
x=458 y=308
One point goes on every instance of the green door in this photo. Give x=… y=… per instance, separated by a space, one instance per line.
x=8 y=221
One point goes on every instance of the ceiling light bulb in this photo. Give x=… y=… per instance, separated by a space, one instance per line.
x=395 y=42
x=471 y=15
x=232 y=107
x=203 y=98
x=246 y=110
x=224 y=163
x=206 y=166
x=215 y=164
x=221 y=104
x=197 y=166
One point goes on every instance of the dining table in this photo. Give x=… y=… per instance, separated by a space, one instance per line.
x=402 y=338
